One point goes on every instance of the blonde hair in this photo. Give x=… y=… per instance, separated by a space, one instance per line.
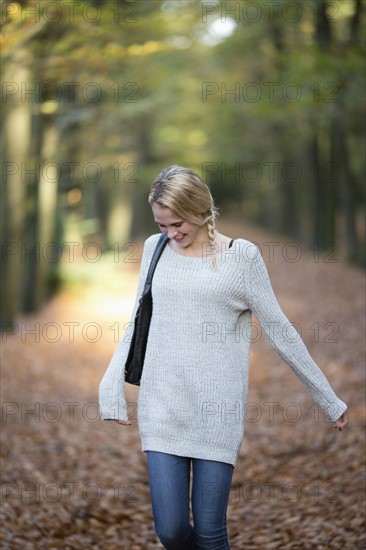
x=189 y=198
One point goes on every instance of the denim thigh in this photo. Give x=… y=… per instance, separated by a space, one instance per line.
x=169 y=478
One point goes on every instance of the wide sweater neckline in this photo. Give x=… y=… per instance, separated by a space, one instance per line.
x=193 y=257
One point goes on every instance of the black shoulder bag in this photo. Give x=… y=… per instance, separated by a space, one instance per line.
x=136 y=355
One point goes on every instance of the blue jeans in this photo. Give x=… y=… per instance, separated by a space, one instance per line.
x=169 y=478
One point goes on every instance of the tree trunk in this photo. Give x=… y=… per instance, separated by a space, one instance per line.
x=346 y=185
x=16 y=144
x=47 y=203
x=318 y=199
x=141 y=211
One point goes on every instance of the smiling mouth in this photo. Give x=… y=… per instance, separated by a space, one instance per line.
x=179 y=238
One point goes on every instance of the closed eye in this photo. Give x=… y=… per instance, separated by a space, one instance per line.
x=174 y=224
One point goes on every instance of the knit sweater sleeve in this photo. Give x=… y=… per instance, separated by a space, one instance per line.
x=286 y=340
x=112 y=401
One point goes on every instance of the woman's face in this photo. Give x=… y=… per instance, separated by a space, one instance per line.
x=183 y=233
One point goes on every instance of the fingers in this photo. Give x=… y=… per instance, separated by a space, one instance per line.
x=341 y=422
x=123 y=422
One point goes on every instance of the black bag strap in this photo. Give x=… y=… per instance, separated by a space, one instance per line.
x=163 y=239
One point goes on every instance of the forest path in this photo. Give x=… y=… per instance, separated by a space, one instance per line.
x=72 y=481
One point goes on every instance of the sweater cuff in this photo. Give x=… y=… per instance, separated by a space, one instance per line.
x=335 y=410
x=116 y=411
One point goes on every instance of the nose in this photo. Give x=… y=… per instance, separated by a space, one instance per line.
x=172 y=233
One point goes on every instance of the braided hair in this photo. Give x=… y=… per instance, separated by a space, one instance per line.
x=189 y=198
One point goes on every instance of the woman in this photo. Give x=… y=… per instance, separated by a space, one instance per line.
x=193 y=391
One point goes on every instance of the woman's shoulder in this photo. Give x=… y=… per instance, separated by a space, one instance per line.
x=153 y=239
x=150 y=244
x=240 y=256
x=227 y=242
x=248 y=249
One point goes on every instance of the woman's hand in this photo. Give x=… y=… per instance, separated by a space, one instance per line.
x=123 y=422
x=342 y=421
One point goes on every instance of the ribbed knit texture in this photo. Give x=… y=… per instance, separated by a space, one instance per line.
x=193 y=392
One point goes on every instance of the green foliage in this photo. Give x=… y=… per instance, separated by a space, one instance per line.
x=135 y=86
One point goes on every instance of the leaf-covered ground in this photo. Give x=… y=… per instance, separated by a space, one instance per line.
x=72 y=481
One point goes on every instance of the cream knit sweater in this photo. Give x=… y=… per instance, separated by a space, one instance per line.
x=193 y=392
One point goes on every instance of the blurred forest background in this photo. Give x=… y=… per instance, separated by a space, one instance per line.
x=263 y=99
